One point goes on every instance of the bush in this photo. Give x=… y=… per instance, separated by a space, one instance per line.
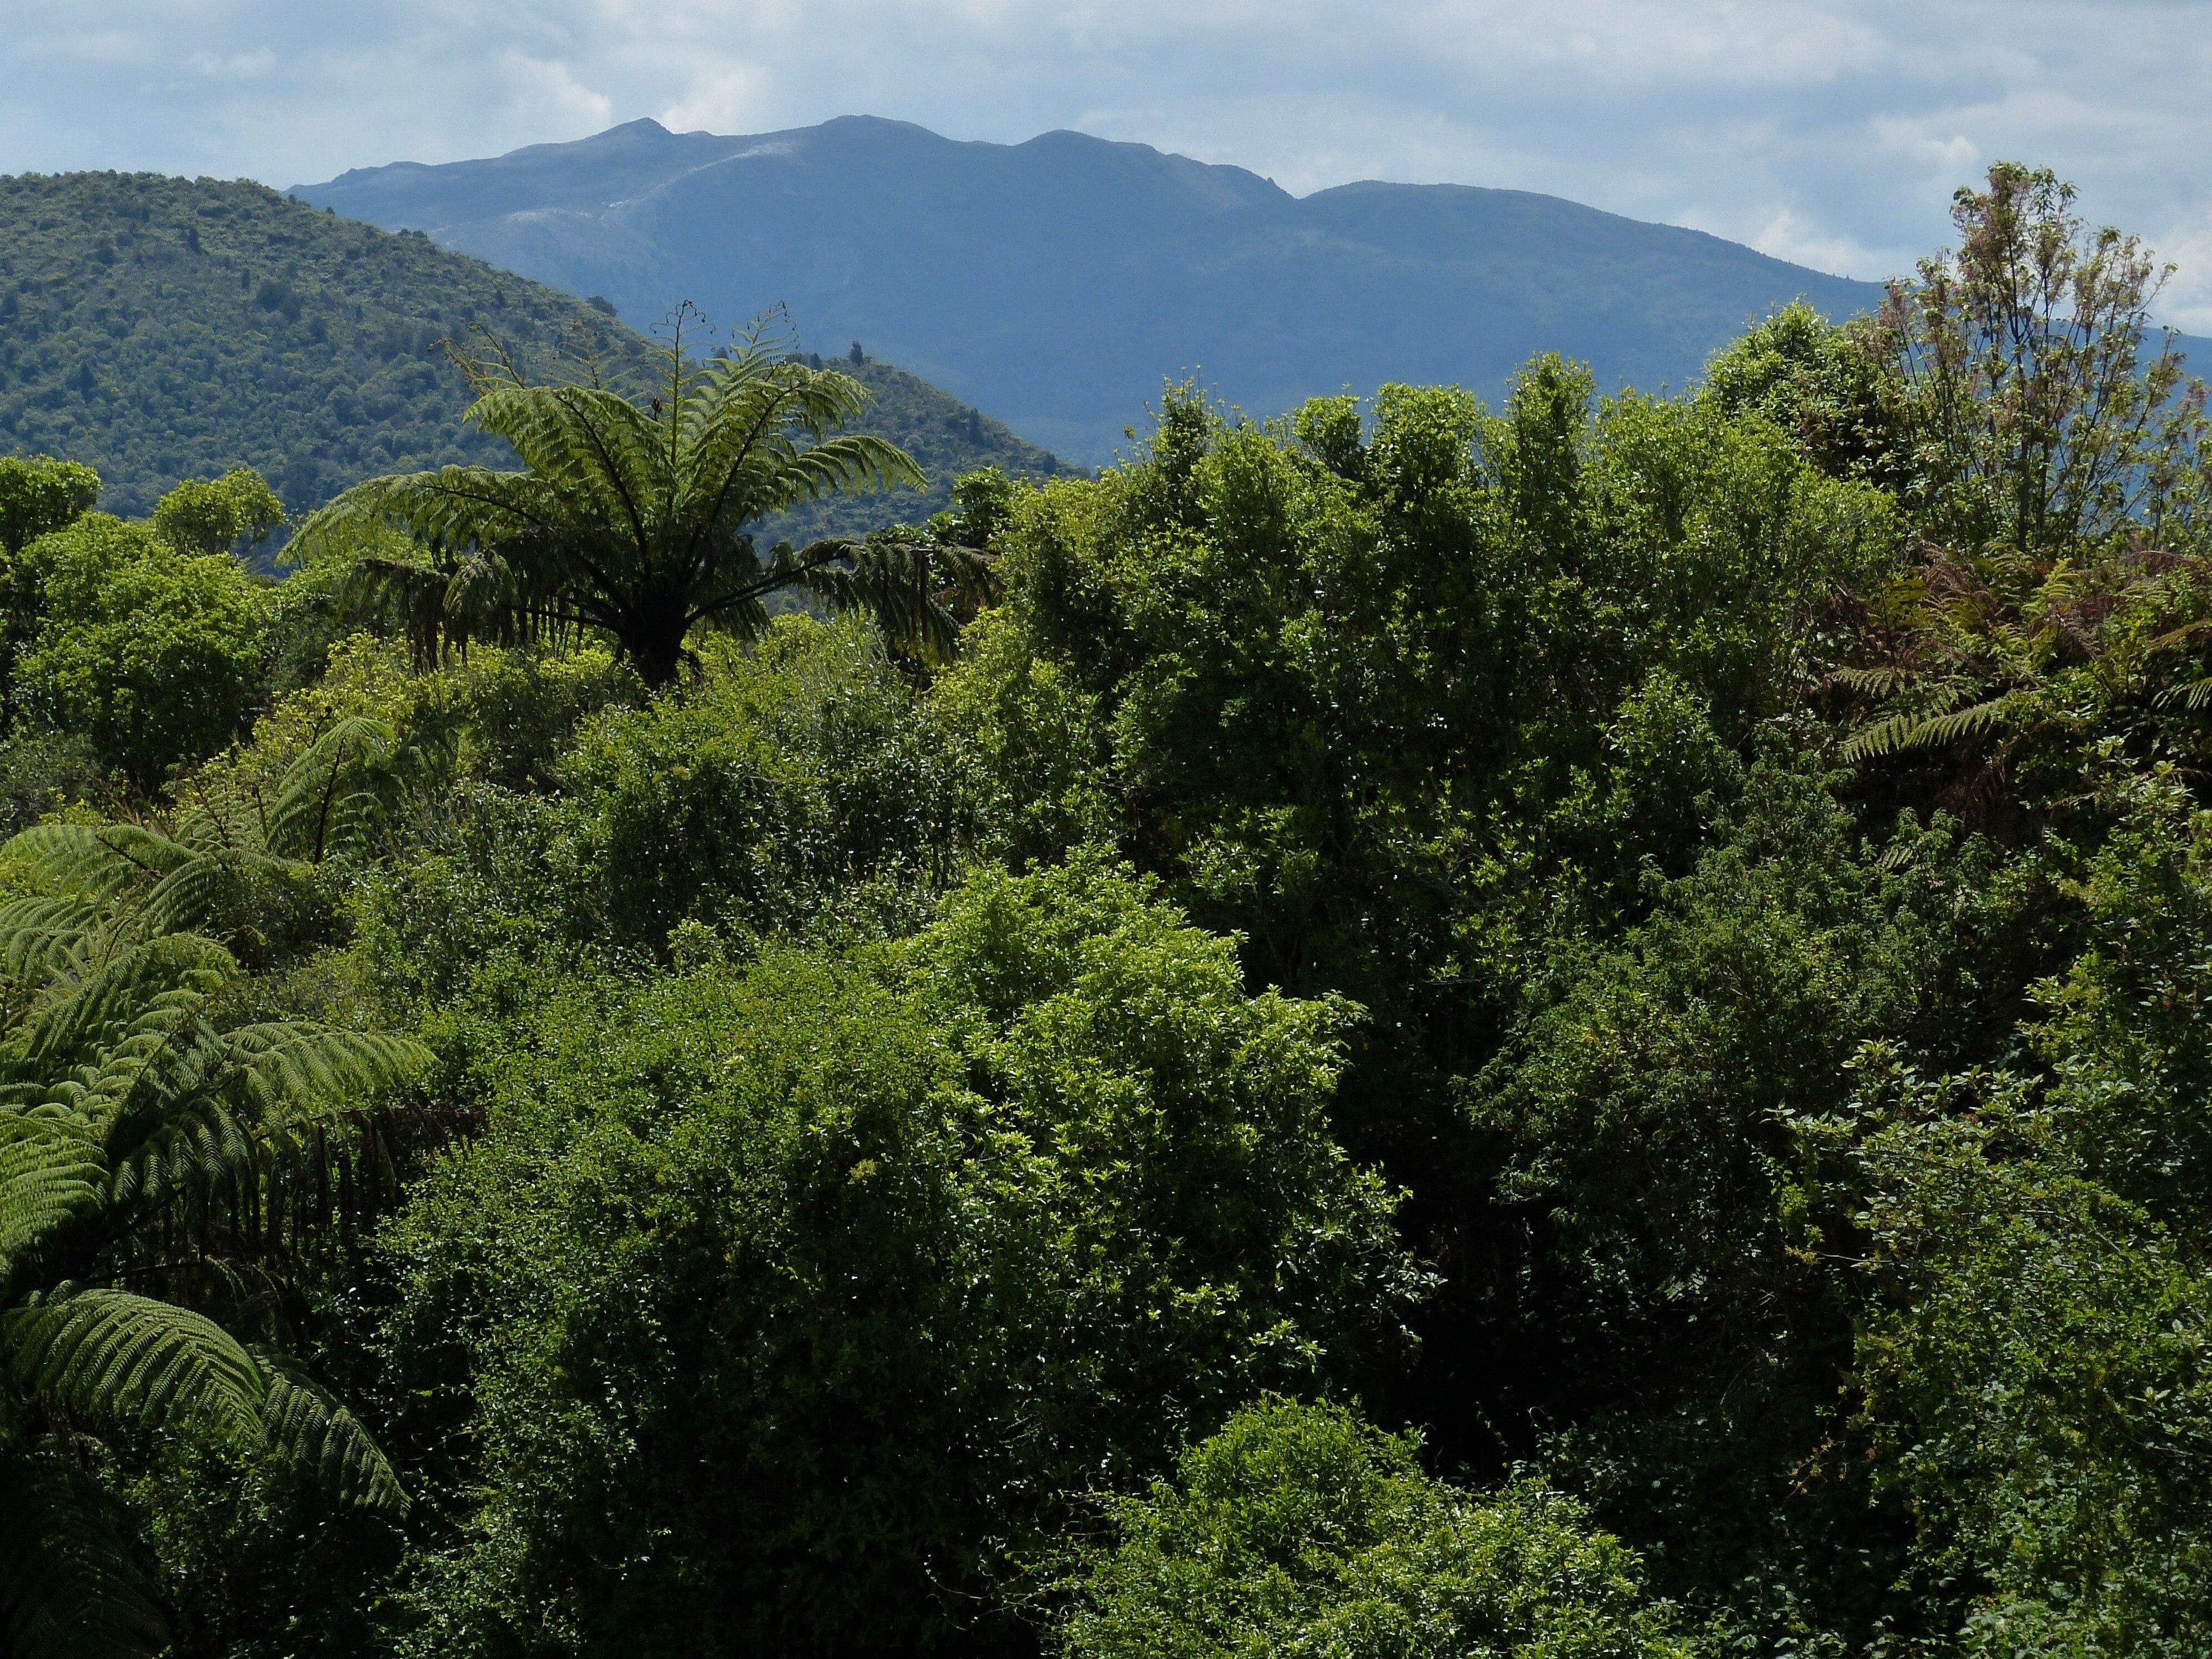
x=1299 y=1529
x=154 y=653
x=777 y=1303
x=771 y=782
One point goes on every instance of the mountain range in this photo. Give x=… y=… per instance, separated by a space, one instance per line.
x=1057 y=283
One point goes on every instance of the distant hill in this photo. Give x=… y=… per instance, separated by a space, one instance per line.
x=165 y=328
x=1056 y=281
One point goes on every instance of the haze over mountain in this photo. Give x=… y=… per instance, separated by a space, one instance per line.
x=1056 y=283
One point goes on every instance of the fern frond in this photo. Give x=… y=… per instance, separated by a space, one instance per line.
x=1941 y=729
x=43 y=936
x=51 y=1172
x=456 y=507
x=327 y=802
x=1903 y=732
x=193 y=895
x=896 y=583
x=297 y=1063
x=320 y=1441
x=184 y=1147
x=97 y=898
x=145 y=988
x=108 y=1355
x=2195 y=695
x=93 y=861
x=1874 y=682
x=71 y=1587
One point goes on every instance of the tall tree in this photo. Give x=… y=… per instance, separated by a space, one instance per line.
x=2055 y=464
x=2039 y=413
x=632 y=513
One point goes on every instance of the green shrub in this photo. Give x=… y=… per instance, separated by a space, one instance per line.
x=153 y=653
x=777 y=1303
x=1300 y=1530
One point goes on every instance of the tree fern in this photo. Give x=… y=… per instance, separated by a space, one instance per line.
x=630 y=511
x=127 y=1110
x=103 y=890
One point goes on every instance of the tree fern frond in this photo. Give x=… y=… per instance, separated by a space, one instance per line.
x=93 y=861
x=2195 y=695
x=108 y=1356
x=1874 y=682
x=143 y=988
x=191 y=1147
x=897 y=584
x=43 y=936
x=193 y=894
x=325 y=803
x=71 y=1587
x=850 y=462
x=296 y=1062
x=588 y=445
x=1903 y=732
x=1941 y=729
x=456 y=508
x=321 y=1440
x=51 y=1172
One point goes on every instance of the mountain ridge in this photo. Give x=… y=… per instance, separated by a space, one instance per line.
x=1057 y=281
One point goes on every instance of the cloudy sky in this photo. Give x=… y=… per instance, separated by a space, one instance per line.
x=1827 y=131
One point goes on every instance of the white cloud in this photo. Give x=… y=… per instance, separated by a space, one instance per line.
x=724 y=100
x=1831 y=131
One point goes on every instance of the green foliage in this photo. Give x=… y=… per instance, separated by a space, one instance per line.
x=829 y=1271
x=778 y=781
x=129 y=1108
x=634 y=511
x=1300 y=1529
x=168 y=328
x=40 y=494
x=1638 y=1118
x=1627 y=932
x=153 y=652
x=1039 y=751
x=232 y=514
x=1819 y=381
x=2034 y=1345
x=1349 y=682
x=2034 y=418
x=1987 y=681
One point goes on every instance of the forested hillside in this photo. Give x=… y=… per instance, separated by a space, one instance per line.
x=1571 y=1029
x=160 y=329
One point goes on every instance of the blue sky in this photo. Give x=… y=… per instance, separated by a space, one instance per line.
x=1827 y=131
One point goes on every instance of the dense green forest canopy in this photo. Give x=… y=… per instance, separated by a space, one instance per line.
x=1575 y=1030
x=157 y=329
